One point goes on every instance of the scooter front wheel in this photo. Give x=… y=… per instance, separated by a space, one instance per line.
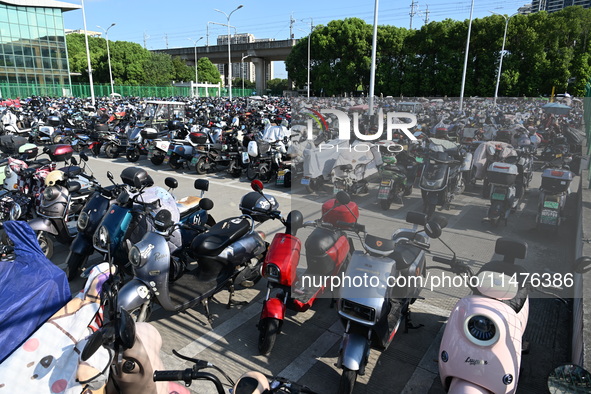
x=268 y=331
x=200 y=166
x=46 y=245
x=429 y=209
x=132 y=155
x=141 y=313
x=111 y=151
x=157 y=159
x=347 y=382
x=175 y=162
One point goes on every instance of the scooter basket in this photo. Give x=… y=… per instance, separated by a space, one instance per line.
x=502 y=173
x=556 y=181
x=60 y=152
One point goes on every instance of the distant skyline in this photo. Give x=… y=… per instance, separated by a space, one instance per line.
x=162 y=24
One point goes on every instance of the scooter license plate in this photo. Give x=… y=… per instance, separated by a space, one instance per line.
x=498 y=196
x=245 y=158
x=551 y=204
x=194 y=160
x=167 y=157
x=383 y=193
x=280 y=177
x=305 y=181
x=150 y=152
x=558 y=155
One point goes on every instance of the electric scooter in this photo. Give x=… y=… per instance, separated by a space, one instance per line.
x=388 y=274
x=177 y=278
x=328 y=250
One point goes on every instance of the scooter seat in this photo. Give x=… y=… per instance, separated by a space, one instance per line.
x=511 y=270
x=29 y=172
x=216 y=239
x=346 y=167
x=40 y=162
x=187 y=203
x=71 y=171
x=379 y=246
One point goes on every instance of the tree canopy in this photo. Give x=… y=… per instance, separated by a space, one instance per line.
x=131 y=64
x=542 y=51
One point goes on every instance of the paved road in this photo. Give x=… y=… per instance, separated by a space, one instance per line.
x=306 y=351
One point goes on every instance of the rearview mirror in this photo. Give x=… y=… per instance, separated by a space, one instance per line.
x=205 y=204
x=171 y=182
x=83 y=156
x=125 y=327
x=294 y=221
x=343 y=198
x=256 y=185
x=73 y=161
x=416 y=218
x=582 y=264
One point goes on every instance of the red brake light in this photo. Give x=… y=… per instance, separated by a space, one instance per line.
x=557 y=173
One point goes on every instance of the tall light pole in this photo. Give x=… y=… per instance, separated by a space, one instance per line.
x=466 y=58
x=92 y=100
x=109 y=55
x=196 y=72
x=309 y=37
x=242 y=71
x=229 y=52
x=372 y=73
x=502 y=54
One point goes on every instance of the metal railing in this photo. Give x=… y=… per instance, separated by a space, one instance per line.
x=21 y=90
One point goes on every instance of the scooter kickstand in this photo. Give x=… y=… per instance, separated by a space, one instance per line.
x=205 y=303
x=231 y=301
x=408 y=322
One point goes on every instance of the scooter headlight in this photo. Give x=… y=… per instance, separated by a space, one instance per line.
x=135 y=256
x=481 y=330
x=7 y=171
x=83 y=220
x=272 y=273
x=15 y=211
x=102 y=239
x=361 y=313
x=50 y=193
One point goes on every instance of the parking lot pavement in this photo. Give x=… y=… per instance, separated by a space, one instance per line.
x=306 y=350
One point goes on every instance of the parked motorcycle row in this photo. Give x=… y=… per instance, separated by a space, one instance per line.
x=169 y=251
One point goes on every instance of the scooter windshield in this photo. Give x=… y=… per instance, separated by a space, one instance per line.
x=434 y=176
x=157 y=198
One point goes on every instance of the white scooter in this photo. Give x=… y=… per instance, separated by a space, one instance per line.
x=482 y=344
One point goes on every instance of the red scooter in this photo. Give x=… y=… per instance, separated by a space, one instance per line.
x=328 y=250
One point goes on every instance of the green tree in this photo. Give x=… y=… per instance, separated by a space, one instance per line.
x=208 y=72
x=158 y=69
x=277 y=85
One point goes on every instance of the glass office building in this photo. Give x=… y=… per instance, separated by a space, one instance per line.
x=33 y=43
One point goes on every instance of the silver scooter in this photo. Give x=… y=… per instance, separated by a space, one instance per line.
x=230 y=252
x=393 y=270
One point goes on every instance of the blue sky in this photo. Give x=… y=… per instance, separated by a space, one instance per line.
x=172 y=22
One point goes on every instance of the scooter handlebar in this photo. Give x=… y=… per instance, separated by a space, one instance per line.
x=187 y=376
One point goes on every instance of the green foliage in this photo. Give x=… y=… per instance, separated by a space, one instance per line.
x=542 y=51
x=277 y=85
x=131 y=64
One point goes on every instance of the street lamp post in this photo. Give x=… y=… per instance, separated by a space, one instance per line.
x=109 y=56
x=229 y=52
x=92 y=100
x=196 y=72
x=242 y=71
x=466 y=59
x=309 y=37
x=372 y=73
x=502 y=54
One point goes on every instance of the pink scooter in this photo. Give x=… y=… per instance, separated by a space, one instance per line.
x=482 y=343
